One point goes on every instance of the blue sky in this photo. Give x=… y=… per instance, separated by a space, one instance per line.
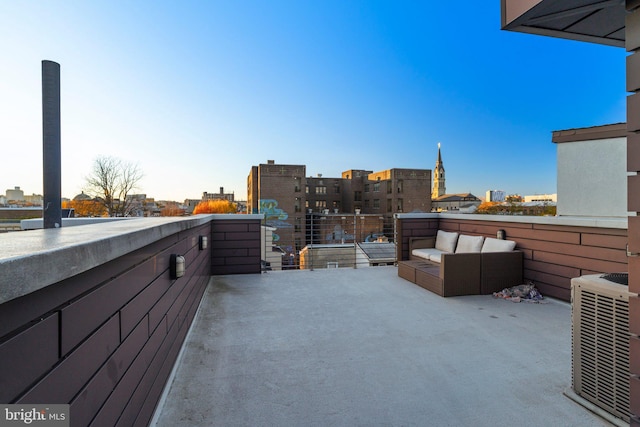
x=196 y=92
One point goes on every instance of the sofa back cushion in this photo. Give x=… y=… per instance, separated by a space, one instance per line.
x=497 y=245
x=468 y=244
x=446 y=241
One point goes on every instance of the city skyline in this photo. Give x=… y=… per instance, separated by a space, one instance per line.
x=197 y=93
x=28 y=195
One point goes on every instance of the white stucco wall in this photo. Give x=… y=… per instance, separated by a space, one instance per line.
x=592 y=178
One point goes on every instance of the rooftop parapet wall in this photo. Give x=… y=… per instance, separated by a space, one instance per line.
x=100 y=325
x=34 y=259
x=556 y=249
x=236 y=243
x=91 y=316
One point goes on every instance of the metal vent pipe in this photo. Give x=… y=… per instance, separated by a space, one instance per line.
x=51 y=157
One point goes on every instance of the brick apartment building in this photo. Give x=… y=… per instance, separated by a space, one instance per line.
x=291 y=201
x=277 y=191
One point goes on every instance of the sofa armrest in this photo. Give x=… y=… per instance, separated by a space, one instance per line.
x=460 y=273
x=421 y=242
x=500 y=270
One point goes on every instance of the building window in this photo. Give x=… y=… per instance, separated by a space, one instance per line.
x=400 y=185
x=321 y=190
x=336 y=189
x=376 y=203
x=399 y=205
x=366 y=203
x=297 y=206
x=297 y=184
x=357 y=196
x=298 y=224
x=376 y=187
x=306 y=204
x=306 y=189
x=366 y=188
x=336 y=204
x=321 y=204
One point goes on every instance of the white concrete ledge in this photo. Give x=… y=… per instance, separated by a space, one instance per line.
x=31 y=260
x=236 y=217
x=38 y=223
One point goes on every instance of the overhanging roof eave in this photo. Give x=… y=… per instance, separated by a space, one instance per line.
x=564 y=35
x=593 y=21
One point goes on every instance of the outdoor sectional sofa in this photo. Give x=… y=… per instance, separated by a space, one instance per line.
x=452 y=264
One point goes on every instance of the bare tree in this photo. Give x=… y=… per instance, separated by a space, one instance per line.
x=111 y=181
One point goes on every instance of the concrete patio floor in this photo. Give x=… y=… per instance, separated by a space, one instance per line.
x=362 y=347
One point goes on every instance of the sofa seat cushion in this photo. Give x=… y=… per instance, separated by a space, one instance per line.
x=446 y=241
x=431 y=254
x=437 y=256
x=497 y=245
x=467 y=244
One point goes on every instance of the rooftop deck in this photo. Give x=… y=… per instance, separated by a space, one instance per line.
x=95 y=317
x=364 y=347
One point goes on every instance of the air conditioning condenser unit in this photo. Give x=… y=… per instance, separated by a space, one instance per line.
x=600 y=343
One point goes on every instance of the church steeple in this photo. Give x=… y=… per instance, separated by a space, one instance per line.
x=438 y=178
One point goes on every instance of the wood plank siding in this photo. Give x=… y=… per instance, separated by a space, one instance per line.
x=236 y=247
x=553 y=254
x=105 y=341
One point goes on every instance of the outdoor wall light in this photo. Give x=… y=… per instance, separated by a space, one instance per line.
x=203 y=242
x=501 y=234
x=176 y=266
